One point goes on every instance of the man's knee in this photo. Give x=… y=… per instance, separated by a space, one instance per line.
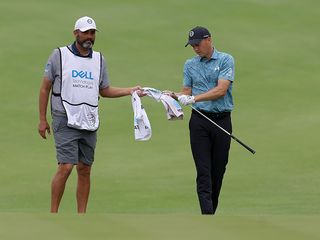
x=65 y=169
x=83 y=170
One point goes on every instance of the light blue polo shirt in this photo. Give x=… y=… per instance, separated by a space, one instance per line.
x=201 y=75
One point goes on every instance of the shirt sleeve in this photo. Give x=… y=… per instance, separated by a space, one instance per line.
x=104 y=82
x=227 y=69
x=187 y=80
x=51 y=68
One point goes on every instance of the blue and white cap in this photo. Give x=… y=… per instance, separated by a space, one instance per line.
x=84 y=24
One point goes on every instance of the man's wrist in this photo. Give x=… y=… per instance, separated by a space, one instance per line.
x=43 y=119
x=195 y=98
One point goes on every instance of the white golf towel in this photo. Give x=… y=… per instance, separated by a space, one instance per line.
x=142 y=127
x=173 y=109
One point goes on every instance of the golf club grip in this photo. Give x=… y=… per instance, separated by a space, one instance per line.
x=244 y=145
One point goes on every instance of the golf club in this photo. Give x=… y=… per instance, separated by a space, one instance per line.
x=233 y=137
x=172 y=94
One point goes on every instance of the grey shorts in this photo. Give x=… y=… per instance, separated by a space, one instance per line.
x=73 y=145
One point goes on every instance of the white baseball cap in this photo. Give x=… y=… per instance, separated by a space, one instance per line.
x=84 y=24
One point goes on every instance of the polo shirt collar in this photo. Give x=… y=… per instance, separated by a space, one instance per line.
x=214 y=56
x=76 y=52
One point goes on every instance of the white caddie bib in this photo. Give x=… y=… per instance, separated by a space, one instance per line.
x=80 y=89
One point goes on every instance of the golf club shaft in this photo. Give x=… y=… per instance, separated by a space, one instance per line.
x=233 y=137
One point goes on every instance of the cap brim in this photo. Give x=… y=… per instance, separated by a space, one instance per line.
x=86 y=29
x=193 y=42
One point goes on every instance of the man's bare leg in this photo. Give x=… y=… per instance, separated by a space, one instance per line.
x=83 y=188
x=58 y=185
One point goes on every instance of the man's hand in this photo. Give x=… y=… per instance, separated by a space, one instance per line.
x=43 y=128
x=186 y=99
x=139 y=91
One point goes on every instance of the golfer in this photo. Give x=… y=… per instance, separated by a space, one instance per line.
x=75 y=75
x=207 y=85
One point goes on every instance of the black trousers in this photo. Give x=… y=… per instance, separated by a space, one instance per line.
x=210 y=149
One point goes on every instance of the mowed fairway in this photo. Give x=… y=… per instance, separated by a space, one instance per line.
x=146 y=190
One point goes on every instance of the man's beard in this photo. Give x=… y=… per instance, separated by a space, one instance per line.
x=86 y=44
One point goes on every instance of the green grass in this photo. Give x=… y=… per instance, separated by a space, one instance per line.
x=144 y=185
x=127 y=226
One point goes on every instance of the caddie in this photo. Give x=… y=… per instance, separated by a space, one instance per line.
x=76 y=76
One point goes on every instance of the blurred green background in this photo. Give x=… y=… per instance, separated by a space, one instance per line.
x=275 y=46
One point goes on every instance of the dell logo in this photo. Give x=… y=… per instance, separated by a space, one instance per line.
x=82 y=74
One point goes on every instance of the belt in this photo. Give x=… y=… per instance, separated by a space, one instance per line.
x=212 y=115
